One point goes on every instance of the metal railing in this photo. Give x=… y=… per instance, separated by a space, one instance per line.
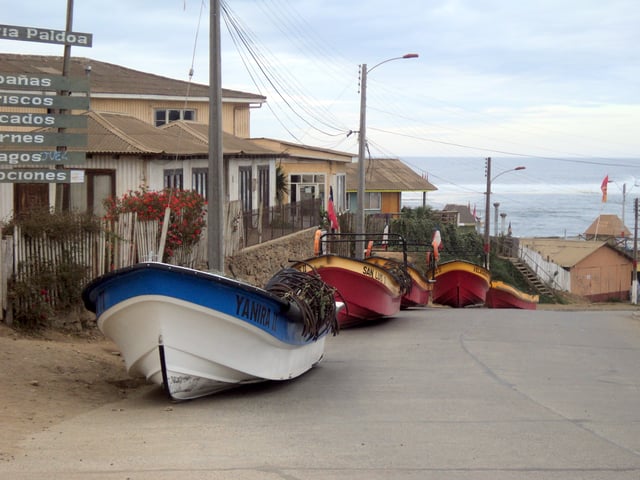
x=270 y=223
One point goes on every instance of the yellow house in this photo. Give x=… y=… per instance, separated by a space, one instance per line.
x=311 y=172
x=385 y=180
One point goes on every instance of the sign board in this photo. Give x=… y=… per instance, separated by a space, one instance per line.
x=43 y=139
x=45 y=35
x=40 y=120
x=43 y=83
x=25 y=100
x=33 y=175
x=41 y=157
x=37 y=91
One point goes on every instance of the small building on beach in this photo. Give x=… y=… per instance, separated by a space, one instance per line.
x=592 y=269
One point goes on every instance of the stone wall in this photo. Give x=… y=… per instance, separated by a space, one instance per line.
x=257 y=264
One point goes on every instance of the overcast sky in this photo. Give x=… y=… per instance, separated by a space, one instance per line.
x=547 y=78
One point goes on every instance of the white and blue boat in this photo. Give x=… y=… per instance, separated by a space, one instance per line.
x=197 y=333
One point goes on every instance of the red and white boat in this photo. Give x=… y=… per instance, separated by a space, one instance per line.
x=369 y=291
x=459 y=283
x=503 y=295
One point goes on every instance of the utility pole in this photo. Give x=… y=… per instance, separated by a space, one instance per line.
x=215 y=178
x=362 y=142
x=487 y=214
x=634 y=280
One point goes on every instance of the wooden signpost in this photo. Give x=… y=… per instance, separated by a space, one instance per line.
x=57 y=95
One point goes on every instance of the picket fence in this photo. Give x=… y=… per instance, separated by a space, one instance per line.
x=115 y=245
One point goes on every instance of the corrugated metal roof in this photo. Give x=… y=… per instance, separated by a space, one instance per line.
x=231 y=145
x=107 y=78
x=120 y=134
x=466 y=216
x=387 y=175
x=566 y=253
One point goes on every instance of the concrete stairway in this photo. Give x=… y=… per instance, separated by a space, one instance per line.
x=531 y=278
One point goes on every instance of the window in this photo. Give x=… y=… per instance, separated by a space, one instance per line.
x=199 y=181
x=173 y=178
x=263 y=182
x=372 y=201
x=89 y=196
x=172 y=115
x=340 y=193
x=245 y=188
x=306 y=186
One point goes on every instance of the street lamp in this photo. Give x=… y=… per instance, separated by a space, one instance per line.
x=360 y=224
x=487 y=211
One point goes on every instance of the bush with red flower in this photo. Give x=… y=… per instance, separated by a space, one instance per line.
x=186 y=221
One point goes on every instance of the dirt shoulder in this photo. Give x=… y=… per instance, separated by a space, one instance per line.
x=53 y=376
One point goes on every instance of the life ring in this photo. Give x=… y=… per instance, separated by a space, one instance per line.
x=367 y=252
x=316 y=242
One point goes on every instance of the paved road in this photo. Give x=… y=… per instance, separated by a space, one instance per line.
x=431 y=394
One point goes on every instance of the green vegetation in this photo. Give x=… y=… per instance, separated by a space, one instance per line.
x=52 y=271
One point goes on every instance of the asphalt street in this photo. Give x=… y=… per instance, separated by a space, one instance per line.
x=435 y=393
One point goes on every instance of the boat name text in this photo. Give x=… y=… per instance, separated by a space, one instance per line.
x=373 y=273
x=256 y=312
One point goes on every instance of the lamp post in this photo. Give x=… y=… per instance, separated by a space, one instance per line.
x=487 y=210
x=360 y=224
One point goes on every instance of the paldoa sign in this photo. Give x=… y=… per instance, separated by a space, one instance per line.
x=45 y=35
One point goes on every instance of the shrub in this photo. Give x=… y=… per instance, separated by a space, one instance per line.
x=186 y=221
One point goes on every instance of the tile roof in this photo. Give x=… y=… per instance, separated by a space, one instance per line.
x=110 y=79
x=387 y=175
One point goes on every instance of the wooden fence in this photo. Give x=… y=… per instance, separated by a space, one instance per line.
x=127 y=241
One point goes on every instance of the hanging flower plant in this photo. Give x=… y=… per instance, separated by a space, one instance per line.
x=186 y=221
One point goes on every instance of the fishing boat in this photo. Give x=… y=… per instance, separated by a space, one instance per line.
x=417 y=288
x=368 y=291
x=459 y=283
x=196 y=333
x=503 y=295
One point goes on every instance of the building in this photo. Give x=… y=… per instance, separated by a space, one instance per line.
x=592 y=269
x=385 y=180
x=607 y=227
x=130 y=145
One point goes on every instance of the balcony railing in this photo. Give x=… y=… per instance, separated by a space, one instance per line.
x=274 y=222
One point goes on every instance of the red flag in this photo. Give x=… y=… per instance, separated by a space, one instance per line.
x=332 y=213
x=603 y=187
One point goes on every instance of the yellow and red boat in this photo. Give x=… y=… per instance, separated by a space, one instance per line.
x=459 y=283
x=503 y=295
x=417 y=287
x=369 y=291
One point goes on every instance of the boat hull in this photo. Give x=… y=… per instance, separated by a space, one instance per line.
x=460 y=284
x=502 y=295
x=420 y=292
x=196 y=333
x=368 y=291
x=417 y=289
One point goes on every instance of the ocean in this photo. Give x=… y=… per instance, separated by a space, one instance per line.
x=549 y=198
